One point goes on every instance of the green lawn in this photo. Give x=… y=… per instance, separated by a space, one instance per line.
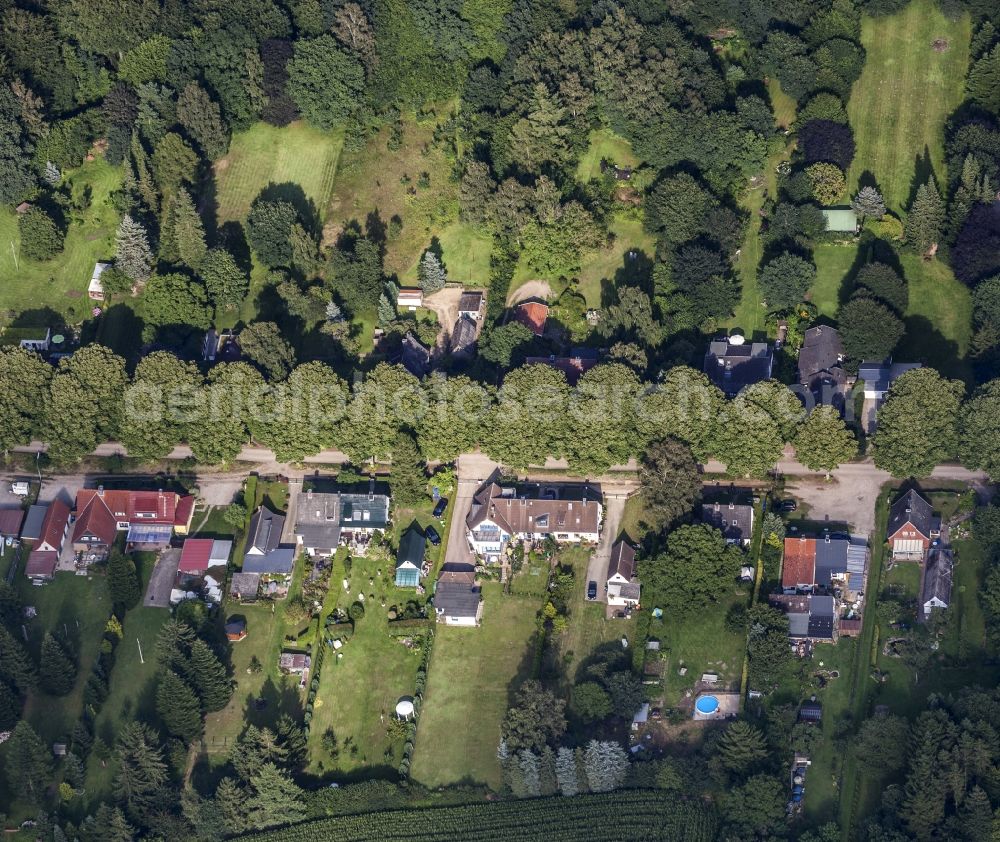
x=358 y=692
x=833 y=262
x=132 y=689
x=939 y=318
x=899 y=105
x=61 y=283
x=604 y=143
x=782 y=104
x=378 y=181
x=468 y=690
x=465 y=251
x=265 y=154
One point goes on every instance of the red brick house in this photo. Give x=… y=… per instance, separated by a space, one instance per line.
x=150 y=518
x=913 y=527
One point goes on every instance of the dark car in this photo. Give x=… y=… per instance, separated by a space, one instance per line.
x=432 y=535
x=442 y=504
x=591 y=590
x=788 y=505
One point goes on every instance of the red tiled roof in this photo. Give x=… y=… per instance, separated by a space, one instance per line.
x=94 y=520
x=195 y=555
x=41 y=563
x=799 y=566
x=98 y=512
x=532 y=314
x=10 y=522
x=54 y=525
x=184 y=510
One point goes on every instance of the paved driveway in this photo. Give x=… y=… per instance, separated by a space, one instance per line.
x=162 y=580
x=458 y=546
x=597 y=568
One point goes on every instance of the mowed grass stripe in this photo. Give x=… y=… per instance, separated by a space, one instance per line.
x=265 y=154
x=899 y=105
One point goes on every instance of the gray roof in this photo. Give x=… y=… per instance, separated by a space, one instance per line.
x=912 y=508
x=368 y=510
x=733 y=367
x=937 y=576
x=821 y=606
x=244 y=583
x=278 y=560
x=821 y=356
x=317 y=519
x=265 y=530
x=32 y=529
x=798 y=625
x=831 y=557
x=622 y=560
x=411 y=549
x=735 y=504
x=879 y=376
x=463 y=335
x=416 y=358
x=456 y=597
x=220 y=552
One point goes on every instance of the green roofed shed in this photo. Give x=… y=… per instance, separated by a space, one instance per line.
x=843 y=220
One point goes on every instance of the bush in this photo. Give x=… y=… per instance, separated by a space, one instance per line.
x=41 y=238
x=356 y=611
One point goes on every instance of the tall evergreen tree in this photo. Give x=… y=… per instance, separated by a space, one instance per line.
x=275 y=798
x=431 y=273
x=187 y=230
x=202 y=118
x=178 y=707
x=225 y=281
x=134 y=256
x=528 y=762
x=142 y=772
x=925 y=221
x=407 y=478
x=10 y=707
x=123 y=580
x=741 y=747
x=56 y=670
x=27 y=765
x=606 y=764
x=566 y=774
x=173 y=646
x=869 y=203
x=209 y=677
x=15 y=667
x=984 y=81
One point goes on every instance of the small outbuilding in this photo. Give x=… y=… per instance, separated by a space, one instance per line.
x=236 y=629
x=409 y=298
x=841 y=220
x=410 y=559
x=95 y=289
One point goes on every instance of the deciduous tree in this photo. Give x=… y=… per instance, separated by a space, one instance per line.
x=535 y=718
x=869 y=329
x=263 y=343
x=670 y=482
x=24 y=391
x=785 y=280
x=979 y=430
x=41 y=238
x=326 y=82
x=823 y=441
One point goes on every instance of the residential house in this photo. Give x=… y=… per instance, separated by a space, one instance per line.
x=811 y=712
x=410 y=558
x=31 y=531
x=409 y=298
x=935 y=591
x=570 y=514
x=879 y=377
x=199 y=554
x=294 y=663
x=10 y=523
x=730 y=511
x=913 y=527
x=811 y=617
x=533 y=315
x=732 y=365
x=463 y=335
x=266 y=555
x=470 y=304
x=828 y=562
x=841 y=220
x=41 y=566
x=37 y=339
x=244 y=587
x=457 y=598
x=55 y=525
x=821 y=366
x=325 y=521
x=623 y=585
x=580 y=361
x=95 y=289
x=414 y=357
x=149 y=518
x=210 y=345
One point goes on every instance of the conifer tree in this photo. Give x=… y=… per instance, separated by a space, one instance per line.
x=209 y=677
x=15 y=667
x=56 y=671
x=275 y=798
x=123 y=580
x=547 y=771
x=431 y=273
x=528 y=762
x=925 y=220
x=134 y=256
x=187 y=230
x=741 y=747
x=869 y=203
x=27 y=765
x=566 y=774
x=178 y=707
x=10 y=707
x=142 y=772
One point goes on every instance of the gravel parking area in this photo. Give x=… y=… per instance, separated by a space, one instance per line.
x=162 y=580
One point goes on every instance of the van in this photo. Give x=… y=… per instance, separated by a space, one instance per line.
x=21 y=488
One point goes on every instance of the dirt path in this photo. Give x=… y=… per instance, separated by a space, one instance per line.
x=531 y=289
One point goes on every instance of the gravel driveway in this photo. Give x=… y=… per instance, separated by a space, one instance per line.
x=162 y=580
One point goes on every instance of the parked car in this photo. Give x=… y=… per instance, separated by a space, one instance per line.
x=439 y=509
x=20 y=488
x=592 y=590
x=432 y=535
x=788 y=505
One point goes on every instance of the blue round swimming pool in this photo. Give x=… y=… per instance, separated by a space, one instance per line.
x=707 y=705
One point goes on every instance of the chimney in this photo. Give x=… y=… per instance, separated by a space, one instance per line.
x=309 y=494
x=100 y=491
x=371 y=489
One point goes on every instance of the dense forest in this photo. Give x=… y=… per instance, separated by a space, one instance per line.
x=159 y=87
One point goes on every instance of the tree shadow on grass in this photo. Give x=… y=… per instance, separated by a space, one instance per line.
x=923 y=170
x=925 y=344
x=293 y=193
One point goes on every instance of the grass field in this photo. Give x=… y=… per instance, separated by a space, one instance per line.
x=906 y=91
x=472 y=673
x=265 y=154
x=61 y=283
x=358 y=693
x=833 y=262
x=378 y=181
x=465 y=251
x=604 y=143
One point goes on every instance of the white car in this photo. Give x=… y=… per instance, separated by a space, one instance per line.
x=21 y=488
